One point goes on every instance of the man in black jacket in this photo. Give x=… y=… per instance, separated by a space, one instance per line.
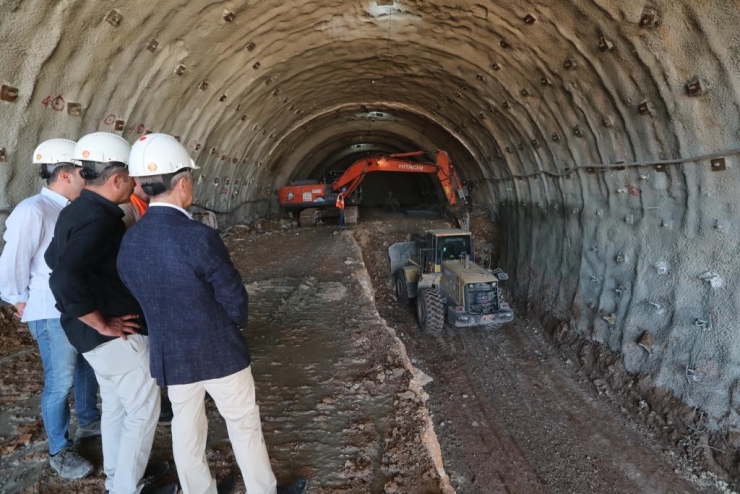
x=100 y=316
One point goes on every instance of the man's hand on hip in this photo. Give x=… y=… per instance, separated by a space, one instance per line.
x=19 y=308
x=119 y=326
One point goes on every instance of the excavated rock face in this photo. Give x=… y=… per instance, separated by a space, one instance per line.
x=545 y=91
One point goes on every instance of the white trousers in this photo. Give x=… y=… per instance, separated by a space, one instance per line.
x=131 y=400
x=234 y=397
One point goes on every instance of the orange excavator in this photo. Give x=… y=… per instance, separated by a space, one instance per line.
x=312 y=197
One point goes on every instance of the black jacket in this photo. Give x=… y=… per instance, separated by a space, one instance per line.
x=82 y=257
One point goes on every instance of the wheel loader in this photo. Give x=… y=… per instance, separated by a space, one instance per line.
x=438 y=273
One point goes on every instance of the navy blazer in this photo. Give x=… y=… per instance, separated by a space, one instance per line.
x=193 y=298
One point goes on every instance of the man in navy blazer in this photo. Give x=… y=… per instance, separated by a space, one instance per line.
x=195 y=305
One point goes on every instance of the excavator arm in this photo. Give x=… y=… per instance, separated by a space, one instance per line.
x=445 y=171
x=311 y=197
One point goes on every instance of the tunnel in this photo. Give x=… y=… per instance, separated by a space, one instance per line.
x=601 y=136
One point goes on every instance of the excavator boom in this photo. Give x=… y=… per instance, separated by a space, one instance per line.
x=445 y=171
x=312 y=196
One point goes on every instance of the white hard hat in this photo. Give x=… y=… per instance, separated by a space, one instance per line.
x=158 y=154
x=54 y=151
x=102 y=147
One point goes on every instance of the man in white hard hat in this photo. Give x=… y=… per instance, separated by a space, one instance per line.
x=100 y=316
x=24 y=282
x=195 y=305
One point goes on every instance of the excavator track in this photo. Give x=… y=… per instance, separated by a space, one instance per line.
x=309 y=217
x=351 y=215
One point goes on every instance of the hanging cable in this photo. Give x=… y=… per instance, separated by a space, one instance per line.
x=612 y=166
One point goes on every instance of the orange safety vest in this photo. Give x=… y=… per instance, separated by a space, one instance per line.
x=340 y=201
x=139 y=204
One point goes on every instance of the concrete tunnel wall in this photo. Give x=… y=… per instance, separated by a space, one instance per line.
x=540 y=90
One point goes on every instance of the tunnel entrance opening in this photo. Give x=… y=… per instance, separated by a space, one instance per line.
x=395 y=177
x=407 y=190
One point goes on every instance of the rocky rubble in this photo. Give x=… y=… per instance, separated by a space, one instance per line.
x=704 y=457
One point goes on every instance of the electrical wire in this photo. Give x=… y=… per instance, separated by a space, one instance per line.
x=611 y=166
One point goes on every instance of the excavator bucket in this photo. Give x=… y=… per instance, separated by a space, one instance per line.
x=399 y=254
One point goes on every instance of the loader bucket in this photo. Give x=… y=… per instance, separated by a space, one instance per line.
x=400 y=252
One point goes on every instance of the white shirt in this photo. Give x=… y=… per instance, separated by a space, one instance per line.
x=168 y=205
x=24 y=274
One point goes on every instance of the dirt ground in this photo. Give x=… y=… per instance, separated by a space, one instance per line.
x=338 y=400
x=355 y=398
x=514 y=414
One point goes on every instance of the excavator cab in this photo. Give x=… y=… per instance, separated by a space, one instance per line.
x=353 y=199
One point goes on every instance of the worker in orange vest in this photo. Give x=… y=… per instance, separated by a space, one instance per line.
x=340 y=206
x=136 y=207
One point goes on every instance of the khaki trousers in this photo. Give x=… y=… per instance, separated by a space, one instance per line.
x=235 y=399
x=130 y=399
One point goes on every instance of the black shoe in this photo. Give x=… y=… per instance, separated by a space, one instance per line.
x=161 y=489
x=154 y=472
x=227 y=485
x=165 y=413
x=297 y=487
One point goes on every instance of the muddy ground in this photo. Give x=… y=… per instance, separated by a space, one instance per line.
x=339 y=402
x=339 y=368
x=513 y=411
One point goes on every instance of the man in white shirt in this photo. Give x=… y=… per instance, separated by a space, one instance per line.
x=24 y=282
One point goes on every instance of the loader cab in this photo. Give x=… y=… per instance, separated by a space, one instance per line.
x=437 y=246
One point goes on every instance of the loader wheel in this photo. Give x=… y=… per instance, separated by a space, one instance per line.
x=402 y=289
x=430 y=310
x=351 y=215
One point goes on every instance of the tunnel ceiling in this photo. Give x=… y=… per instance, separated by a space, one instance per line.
x=256 y=89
